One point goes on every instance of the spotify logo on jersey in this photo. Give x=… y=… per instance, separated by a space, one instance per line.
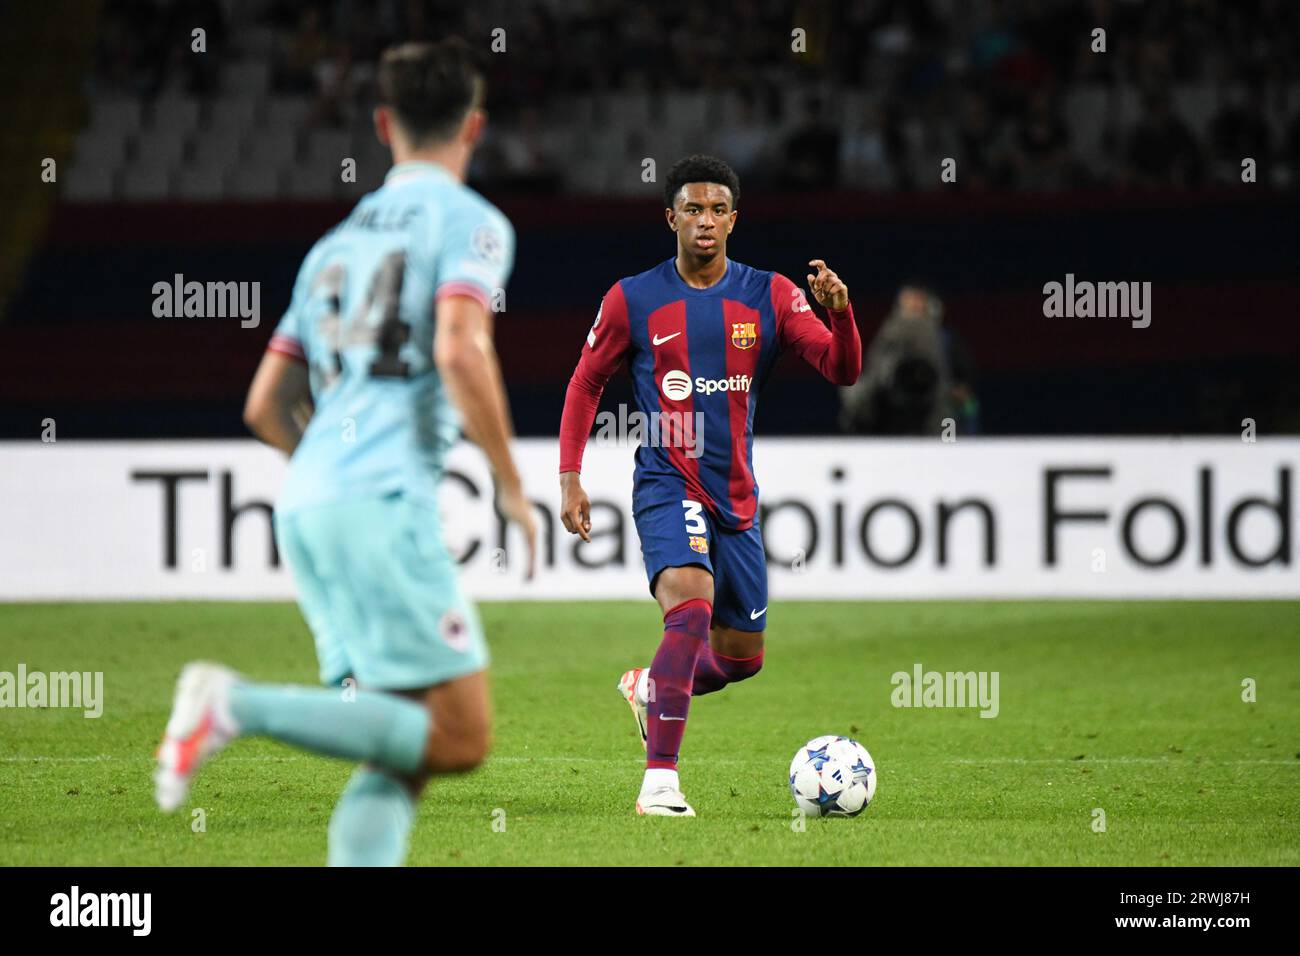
x=676 y=385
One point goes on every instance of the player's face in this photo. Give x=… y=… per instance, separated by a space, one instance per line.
x=703 y=218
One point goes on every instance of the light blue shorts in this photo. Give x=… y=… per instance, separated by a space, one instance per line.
x=380 y=593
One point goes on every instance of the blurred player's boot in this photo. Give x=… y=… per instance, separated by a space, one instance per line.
x=634 y=686
x=200 y=725
x=663 y=802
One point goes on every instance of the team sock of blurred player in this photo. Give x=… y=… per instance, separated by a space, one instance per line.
x=387 y=731
x=371 y=822
x=686 y=635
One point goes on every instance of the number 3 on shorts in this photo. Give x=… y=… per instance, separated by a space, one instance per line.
x=694 y=517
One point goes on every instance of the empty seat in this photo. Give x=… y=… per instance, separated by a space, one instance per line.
x=219 y=148
x=310 y=181
x=251 y=181
x=689 y=110
x=89 y=181
x=118 y=113
x=250 y=76
x=146 y=182
x=201 y=183
x=329 y=147
x=233 y=112
x=287 y=111
x=101 y=146
x=275 y=144
x=159 y=147
x=175 y=112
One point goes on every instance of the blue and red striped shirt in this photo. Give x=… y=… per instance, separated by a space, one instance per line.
x=701 y=355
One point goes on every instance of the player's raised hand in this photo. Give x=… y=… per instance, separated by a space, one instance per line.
x=575 y=506
x=517 y=509
x=827 y=288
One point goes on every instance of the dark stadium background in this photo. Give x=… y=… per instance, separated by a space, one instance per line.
x=224 y=166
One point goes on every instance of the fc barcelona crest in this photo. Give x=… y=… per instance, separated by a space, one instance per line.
x=699 y=543
x=744 y=334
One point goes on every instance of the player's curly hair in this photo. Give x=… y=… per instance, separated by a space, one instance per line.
x=431 y=86
x=700 y=169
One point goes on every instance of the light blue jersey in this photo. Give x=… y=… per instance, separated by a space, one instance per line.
x=357 y=518
x=362 y=318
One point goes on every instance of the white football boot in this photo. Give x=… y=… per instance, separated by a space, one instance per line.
x=663 y=802
x=200 y=726
x=633 y=686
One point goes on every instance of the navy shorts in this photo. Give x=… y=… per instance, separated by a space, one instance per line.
x=675 y=532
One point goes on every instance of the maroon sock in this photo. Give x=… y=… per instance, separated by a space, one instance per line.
x=714 y=671
x=686 y=634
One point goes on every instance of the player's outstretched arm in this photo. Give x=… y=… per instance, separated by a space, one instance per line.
x=278 y=405
x=467 y=362
x=835 y=352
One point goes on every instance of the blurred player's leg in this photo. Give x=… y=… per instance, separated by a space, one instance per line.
x=373 y=818
x=443 y=729
x=380 y=593
x=214 y=706
x=371 y=824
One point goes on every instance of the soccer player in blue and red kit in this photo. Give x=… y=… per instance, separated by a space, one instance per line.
x=700 y=334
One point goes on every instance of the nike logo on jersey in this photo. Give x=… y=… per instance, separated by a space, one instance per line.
x=660 y=341
x=663 y=717
x=755 y=615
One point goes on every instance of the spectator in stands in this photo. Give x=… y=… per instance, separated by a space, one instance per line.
x=864 y=152
x=982 y=147
x=1288 y=174
x=744 y=140
x=812 y=151
x=1238 y=130
x=919 y=57
x=1162 y=151
x=916 y=374
x=193 y=74
x=304 y=52
x=528 y=154
x=1040 y=149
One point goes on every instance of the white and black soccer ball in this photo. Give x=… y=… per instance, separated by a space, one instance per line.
x=832 y=776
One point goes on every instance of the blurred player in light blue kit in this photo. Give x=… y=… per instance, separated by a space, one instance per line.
x=386 y=353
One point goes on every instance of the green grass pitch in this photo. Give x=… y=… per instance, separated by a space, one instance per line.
x=1134 y=708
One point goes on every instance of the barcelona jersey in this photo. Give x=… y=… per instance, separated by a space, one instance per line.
x=698 y=359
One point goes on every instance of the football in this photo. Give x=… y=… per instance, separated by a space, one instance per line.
x=832 y=776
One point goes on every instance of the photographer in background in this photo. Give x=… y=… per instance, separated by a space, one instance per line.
x=916 y=373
